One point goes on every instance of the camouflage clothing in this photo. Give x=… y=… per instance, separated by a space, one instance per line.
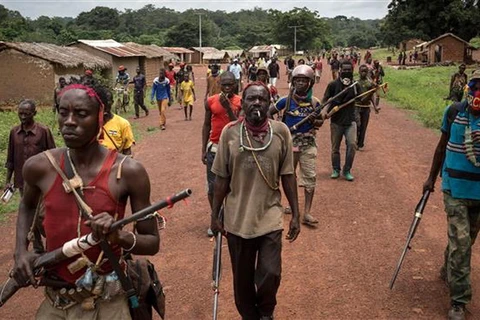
x=463 y=218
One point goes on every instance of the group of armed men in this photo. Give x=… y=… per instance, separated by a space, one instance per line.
x=246 y=154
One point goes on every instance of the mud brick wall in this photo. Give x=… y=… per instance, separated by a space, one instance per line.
x=25 y=77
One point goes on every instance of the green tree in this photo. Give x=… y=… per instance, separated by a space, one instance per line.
x=312 y=27
x=99 y=18
x=427 y=19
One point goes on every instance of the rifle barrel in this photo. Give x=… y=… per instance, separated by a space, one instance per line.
x=10 y=287
x=411 y=233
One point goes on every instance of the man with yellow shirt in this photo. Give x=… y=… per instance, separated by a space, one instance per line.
x=188 y=95
x=117 y=131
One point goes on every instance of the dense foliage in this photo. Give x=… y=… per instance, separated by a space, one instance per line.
x=427 y=19
x=167 y=27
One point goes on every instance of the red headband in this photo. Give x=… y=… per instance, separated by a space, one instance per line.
x=91 y=93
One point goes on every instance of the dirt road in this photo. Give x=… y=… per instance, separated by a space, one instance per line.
x=340 y=270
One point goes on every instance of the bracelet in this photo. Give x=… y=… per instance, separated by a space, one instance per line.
x=134 y=242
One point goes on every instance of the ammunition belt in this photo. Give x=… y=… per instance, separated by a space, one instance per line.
x=301 y=140
x=105 y=287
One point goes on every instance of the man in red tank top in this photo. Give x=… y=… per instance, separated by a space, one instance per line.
x=80 y=120
x=220 y=109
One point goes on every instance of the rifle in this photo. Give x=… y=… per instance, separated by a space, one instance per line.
x=10 y=287
x=317 y=110
x=338 y=108
x=217 y=269
x=411 y=233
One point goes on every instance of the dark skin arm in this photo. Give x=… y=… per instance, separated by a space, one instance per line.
x=220 y=190
x=206 y=132
x=438 y=158
x=289 y=184
x=136 y=185
x=33 y=171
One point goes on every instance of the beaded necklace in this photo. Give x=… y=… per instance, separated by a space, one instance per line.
x=251 y=148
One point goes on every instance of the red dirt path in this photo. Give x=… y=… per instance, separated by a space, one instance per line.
x=340 y=270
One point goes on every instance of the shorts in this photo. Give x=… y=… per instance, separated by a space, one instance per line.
x=307 y=160
x=210 y=158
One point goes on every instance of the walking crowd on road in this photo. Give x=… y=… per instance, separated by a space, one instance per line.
x=254 y=144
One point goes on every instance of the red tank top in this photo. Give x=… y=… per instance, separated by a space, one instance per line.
x=220 y=116
x=62 y=213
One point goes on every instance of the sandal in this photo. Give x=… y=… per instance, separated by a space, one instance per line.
x=309 y=221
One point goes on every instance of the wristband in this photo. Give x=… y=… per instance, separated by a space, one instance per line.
x=134 y=242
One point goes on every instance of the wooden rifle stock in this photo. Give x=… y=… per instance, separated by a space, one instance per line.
x=343 y=105
x=317 y=111
x=10 y=287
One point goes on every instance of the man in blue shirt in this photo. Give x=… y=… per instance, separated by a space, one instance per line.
x=161 y=93
x=297 y=106
x=236 y=69
x=458 y=156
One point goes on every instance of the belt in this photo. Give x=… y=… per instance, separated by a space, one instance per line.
x=212 y=147
x=105 y=287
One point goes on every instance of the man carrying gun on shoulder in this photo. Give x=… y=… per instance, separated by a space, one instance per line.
x=85 y=286
x=297 y=106
x=342 y=122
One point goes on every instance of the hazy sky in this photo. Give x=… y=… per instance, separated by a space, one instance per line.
x=370 y=9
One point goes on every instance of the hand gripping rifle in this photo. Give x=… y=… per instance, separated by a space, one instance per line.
x=217 y=268
x=343 y=105
x=78 y=245
x=318 y=109
x=411 y=233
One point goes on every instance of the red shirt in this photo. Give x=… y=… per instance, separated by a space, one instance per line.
x=220 y=117
x=170 y=76
x=61 y=217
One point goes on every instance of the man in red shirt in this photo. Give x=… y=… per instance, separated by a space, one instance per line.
x=220 y=109
x=318 y=69
x=80 y=121
x=171 y=75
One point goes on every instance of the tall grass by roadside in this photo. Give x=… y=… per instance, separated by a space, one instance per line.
x=422 y=90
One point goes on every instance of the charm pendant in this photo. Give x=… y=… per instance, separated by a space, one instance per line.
x=241 y=149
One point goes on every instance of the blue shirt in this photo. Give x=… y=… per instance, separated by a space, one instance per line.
x=459 y=176
x=161 y=89
x=295 y=113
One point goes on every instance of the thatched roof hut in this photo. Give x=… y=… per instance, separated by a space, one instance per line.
x=67 y=57
x=31 y=70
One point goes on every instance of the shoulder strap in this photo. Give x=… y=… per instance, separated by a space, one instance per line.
x=111 y=139
x=114 y=260
x=287 y=108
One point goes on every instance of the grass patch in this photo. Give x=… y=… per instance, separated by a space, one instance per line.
x=422 y=90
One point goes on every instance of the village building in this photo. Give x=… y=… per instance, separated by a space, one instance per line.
x=207 y=55
x=449 y=47
x=183 y=54
x=154 y=59
x=409 y=45
x=263 y=51
x=239 y=54
x=114 y=52
x=31 y=70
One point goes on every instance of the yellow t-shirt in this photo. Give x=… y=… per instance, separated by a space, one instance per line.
x=187 y=90
x=120 y=131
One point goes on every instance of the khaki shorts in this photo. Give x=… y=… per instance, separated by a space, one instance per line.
x=307 y=160
x=114 y=309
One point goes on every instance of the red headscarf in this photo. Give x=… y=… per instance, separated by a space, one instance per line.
x=91 y=93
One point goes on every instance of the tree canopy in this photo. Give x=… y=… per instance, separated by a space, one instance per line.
x=426 y=19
